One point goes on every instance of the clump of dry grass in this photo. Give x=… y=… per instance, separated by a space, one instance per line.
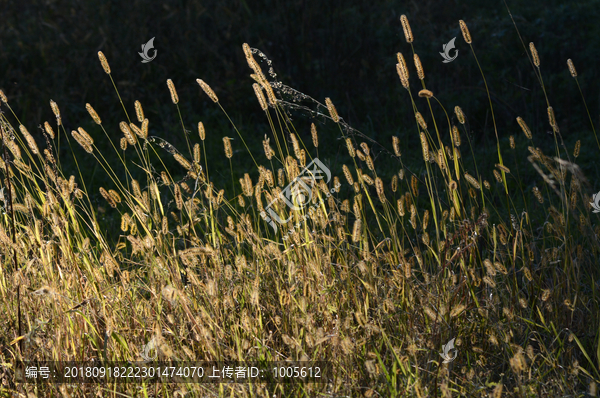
x=201 y=277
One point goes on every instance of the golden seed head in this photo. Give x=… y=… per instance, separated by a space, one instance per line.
x=3 y=97
x=538 y=194
x=313 y=133
x=403 y=76
x=400 y=203
x=201 y=131
x=182 y=161
x=131 y=138
x=269 y=152
x=370 y=164
x=577 y=148
x=113 y=194
x=472 y=181
x=421 y=120
x=456 y=135
x=178 y=198
x=356 y=230
x=425 y=147
x=350 y=147
x=88 y=138
x=56 y=111
x=197 y=153
x=394 y=183
x=207 y=90
x=93 y=114
x=406 y=27
x=425 y=93
x=123 y=143
x=108 y=198
x=512 y=142
x=104 y=62
x=425 y=219
x=534 y=54
x=270 y=93
x=396 y=145
x=453 y=185
x=332 y=111
x=414 y=185
x=144 y=133
x=419 y=66
x=49 y=129
x=139 y=112
x=81 y=141
x=348 y=175
x=552 y=119
x=30 y=141
x=503 y=168
x=247 y=50
x=227 y=145
x=524 y=127
x=260 y=96
x=571 y=68
x=379 y=187
x=174 y=96
x=465 y=31
x=459 y=114
x=136 y=129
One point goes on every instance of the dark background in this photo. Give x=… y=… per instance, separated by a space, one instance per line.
x=345 y=50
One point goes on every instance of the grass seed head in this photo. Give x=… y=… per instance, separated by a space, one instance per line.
x=260 y=96
x=379 y=187
x=571 y=68
x=332 y=111
x=424 y=146
x=313 y=133
x=88 y=138
x=182 y=161
x=419 y=66
x=406 y=27
x=201 y=131
x=465 y=31
x=81 y=141
x=396 y=145
x=174 y=96
x=459 y=114
x=56 y=111
x=552 y=119
x=104 y=62
x=139 y=112
x=421 y=121
x=227 y=146
x=3 y=97
x=30 y=141
x=472 y=181
x=577 y=148
x=131 y=138
x=425 y=93
x=93 y=114
x=209 y=91
x=49 y=129
x=524 y=127
x=534 y=55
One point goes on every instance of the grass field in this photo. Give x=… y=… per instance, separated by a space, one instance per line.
x=394 y=250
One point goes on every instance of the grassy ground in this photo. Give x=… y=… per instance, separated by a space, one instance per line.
x=413 y=242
